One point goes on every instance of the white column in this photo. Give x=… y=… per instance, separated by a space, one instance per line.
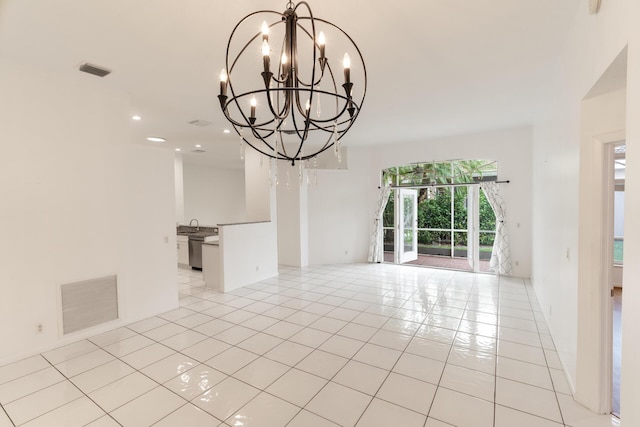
x=293 y=216
x=179 y=183
x=260 y=195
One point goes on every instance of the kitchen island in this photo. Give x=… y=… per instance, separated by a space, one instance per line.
x=245 y=253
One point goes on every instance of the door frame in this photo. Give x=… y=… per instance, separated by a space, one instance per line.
x=608 y=275
x=606 y=303
x=592 y=387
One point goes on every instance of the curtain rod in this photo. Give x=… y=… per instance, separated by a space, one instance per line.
x=457 y=184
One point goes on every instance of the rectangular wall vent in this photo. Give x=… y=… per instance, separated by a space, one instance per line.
x=89 y=303
x=94 y=69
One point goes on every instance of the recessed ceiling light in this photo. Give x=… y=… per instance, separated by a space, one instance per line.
x=226 y=131
x=156 y=139
x=178 y=149
x=136 y=118
x=198 y=146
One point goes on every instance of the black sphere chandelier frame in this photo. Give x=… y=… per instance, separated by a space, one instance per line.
x=286 y=128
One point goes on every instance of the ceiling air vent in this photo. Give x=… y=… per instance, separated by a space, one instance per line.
x=198 y=151
x=200 y=123
x=94 y=69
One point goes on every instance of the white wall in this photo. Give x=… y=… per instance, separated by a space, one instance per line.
x=213 y=195
x=79 y=201
x=179 y=188
x=593 y=43
x=341 y=211
x=602 y=121
x=341 y=207
x=293 y=217
x=631 y=299
x=259 y=191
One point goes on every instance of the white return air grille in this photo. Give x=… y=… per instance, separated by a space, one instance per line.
x=89 y=303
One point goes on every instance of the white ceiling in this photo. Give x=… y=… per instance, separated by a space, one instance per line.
x=436 y=67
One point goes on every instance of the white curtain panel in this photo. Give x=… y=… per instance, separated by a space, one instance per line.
x=376 y=253
x=500 y=256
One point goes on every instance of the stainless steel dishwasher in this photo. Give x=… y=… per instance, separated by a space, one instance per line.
x=195 y=251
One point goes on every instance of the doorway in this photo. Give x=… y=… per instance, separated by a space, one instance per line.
x=437 y=215
x=618 y=157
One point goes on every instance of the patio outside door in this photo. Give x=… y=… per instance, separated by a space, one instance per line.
x=407 y=235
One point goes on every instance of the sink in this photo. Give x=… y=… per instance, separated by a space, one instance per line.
x=186 y=233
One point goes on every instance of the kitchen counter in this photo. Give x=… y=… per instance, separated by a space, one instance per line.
x=202 y=232
x=190 y=243
x=241 y=223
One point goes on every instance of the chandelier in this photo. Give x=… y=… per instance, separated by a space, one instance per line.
x=295 y=103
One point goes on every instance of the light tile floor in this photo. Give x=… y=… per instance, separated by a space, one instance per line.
x=365 y=345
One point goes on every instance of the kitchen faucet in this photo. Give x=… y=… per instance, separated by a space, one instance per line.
x=197 y=224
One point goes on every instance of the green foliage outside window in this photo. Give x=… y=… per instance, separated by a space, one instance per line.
x=434 y=203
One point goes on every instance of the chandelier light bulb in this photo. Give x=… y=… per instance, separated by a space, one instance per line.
x=265 y=29
x=307 y=106
x=266 y=60
x=266 y=50
x=321 y=43
x=223 y=83
x=253 y=108
x=284 y=58
x=346 y=61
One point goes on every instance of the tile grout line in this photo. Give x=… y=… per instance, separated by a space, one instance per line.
x=7 y=414
x=351 y=359
x=374 y=307
x=495 y=377
x=438 y=386
x=402 y=353
x=553 y=386
x=83 y=394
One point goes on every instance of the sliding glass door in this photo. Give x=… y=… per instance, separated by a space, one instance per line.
x=438 y=216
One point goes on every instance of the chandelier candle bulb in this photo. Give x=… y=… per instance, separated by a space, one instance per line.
x=321 y=43
x=266 y=51
x=347 y=68
x=252 y=117
x=223 y=82
x=265 y=31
